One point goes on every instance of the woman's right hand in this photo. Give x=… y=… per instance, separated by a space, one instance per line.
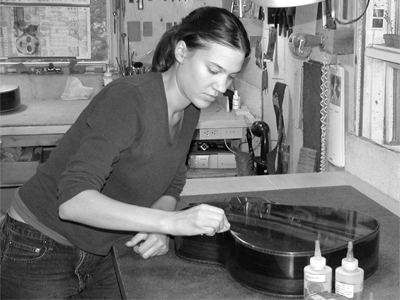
x=200 y=219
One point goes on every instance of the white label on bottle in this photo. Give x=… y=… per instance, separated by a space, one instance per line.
x=344 y=289
x=315 y=277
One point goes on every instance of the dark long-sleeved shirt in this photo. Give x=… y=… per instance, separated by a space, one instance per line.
x=120 y=145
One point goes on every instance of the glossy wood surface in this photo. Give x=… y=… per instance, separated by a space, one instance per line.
x=269 y=244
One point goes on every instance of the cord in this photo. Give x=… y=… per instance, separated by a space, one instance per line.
x=324 y=110
x=356 y=19
x=226 y=145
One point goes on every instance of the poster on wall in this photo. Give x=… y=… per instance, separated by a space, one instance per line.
x=37 y=28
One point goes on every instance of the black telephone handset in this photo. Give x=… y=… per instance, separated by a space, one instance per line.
x=261 y=129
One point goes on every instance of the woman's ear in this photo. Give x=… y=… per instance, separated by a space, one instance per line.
x=180 y=51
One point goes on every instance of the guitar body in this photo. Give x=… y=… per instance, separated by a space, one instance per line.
x=269 y=244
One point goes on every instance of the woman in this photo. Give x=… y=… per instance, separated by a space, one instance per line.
x=119 y=170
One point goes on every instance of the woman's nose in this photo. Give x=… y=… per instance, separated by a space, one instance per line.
x=221 y=85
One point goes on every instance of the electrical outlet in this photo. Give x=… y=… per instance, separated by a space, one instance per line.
x=232 y=133
x=209 y=134
x=214 y=133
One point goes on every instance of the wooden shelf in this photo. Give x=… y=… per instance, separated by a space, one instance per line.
x=210 y=173
x=381 y=52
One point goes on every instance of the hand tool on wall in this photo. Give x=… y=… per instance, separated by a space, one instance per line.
x=122 y=53
x=264 y=87
x=279 y=21
x=129 y=59
x=115 y=21
x=284 y=21
x=261 y=14
x=140 y=5
x=290 y=14
x=258 y=55
x=115 y=15
x=123 y=7
x=269 y=55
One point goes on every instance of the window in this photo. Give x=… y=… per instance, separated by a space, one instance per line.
x=380 y=109
x=34 y=33
x=381 y=117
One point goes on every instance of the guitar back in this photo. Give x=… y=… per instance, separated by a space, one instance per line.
x=269 y=244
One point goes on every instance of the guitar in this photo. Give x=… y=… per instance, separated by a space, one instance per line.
x=268 y=244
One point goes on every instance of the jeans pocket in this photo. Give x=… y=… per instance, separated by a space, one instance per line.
x=20 y=247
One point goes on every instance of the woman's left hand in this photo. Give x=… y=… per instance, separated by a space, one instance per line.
x=149 y=244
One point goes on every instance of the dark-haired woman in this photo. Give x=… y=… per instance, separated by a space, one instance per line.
x=119 y=170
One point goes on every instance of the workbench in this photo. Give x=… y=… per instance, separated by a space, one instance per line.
x=170 y=277
x=42 y=123
x=42 y=117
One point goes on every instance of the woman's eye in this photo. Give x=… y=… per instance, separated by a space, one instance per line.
x=213 y=71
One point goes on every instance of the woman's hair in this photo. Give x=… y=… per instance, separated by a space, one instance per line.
x=201 y=26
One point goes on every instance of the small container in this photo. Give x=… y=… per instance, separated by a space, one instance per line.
x=317 y=275
x=349 y=278
x=236 y=100
x=228 y=106
x=107 y=77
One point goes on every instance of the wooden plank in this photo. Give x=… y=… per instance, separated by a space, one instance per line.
x=30 y=140
x=383 y=53
x=44 y=113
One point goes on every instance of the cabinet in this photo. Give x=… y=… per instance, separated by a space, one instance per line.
x=37 y=123
x=16 y=173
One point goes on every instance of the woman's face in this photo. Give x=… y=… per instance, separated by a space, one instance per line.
x=204 y=73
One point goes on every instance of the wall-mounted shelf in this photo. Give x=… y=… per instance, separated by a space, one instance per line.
x=381 y=52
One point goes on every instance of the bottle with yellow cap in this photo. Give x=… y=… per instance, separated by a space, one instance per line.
x=349 y=278
x=317 y=275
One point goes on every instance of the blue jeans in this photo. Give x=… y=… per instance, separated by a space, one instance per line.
x=34 y=266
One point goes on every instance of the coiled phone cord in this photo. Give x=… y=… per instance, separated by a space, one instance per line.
x=324 y=110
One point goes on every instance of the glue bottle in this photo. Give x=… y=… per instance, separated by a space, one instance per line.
x=236 y=100
x=317 y=275
x=107 y=77
x=349 y=278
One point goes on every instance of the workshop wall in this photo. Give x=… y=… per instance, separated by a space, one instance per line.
x=286 y=69
x=145 y=26
x=364 y=159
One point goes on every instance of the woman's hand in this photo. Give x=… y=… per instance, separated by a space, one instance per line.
x=200 y=219
x=149 y=244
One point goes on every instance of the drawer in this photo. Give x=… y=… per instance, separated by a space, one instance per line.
x=17 y=173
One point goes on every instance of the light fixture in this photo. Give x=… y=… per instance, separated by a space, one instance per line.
x=284 y=3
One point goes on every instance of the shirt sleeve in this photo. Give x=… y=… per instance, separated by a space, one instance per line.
x=110 y=129
x=176 y=187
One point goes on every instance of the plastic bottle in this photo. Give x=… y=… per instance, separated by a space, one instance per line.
x=317 y=275
x=228 y=107
x=349 y=278
x=107 y=77
x=236 y=100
